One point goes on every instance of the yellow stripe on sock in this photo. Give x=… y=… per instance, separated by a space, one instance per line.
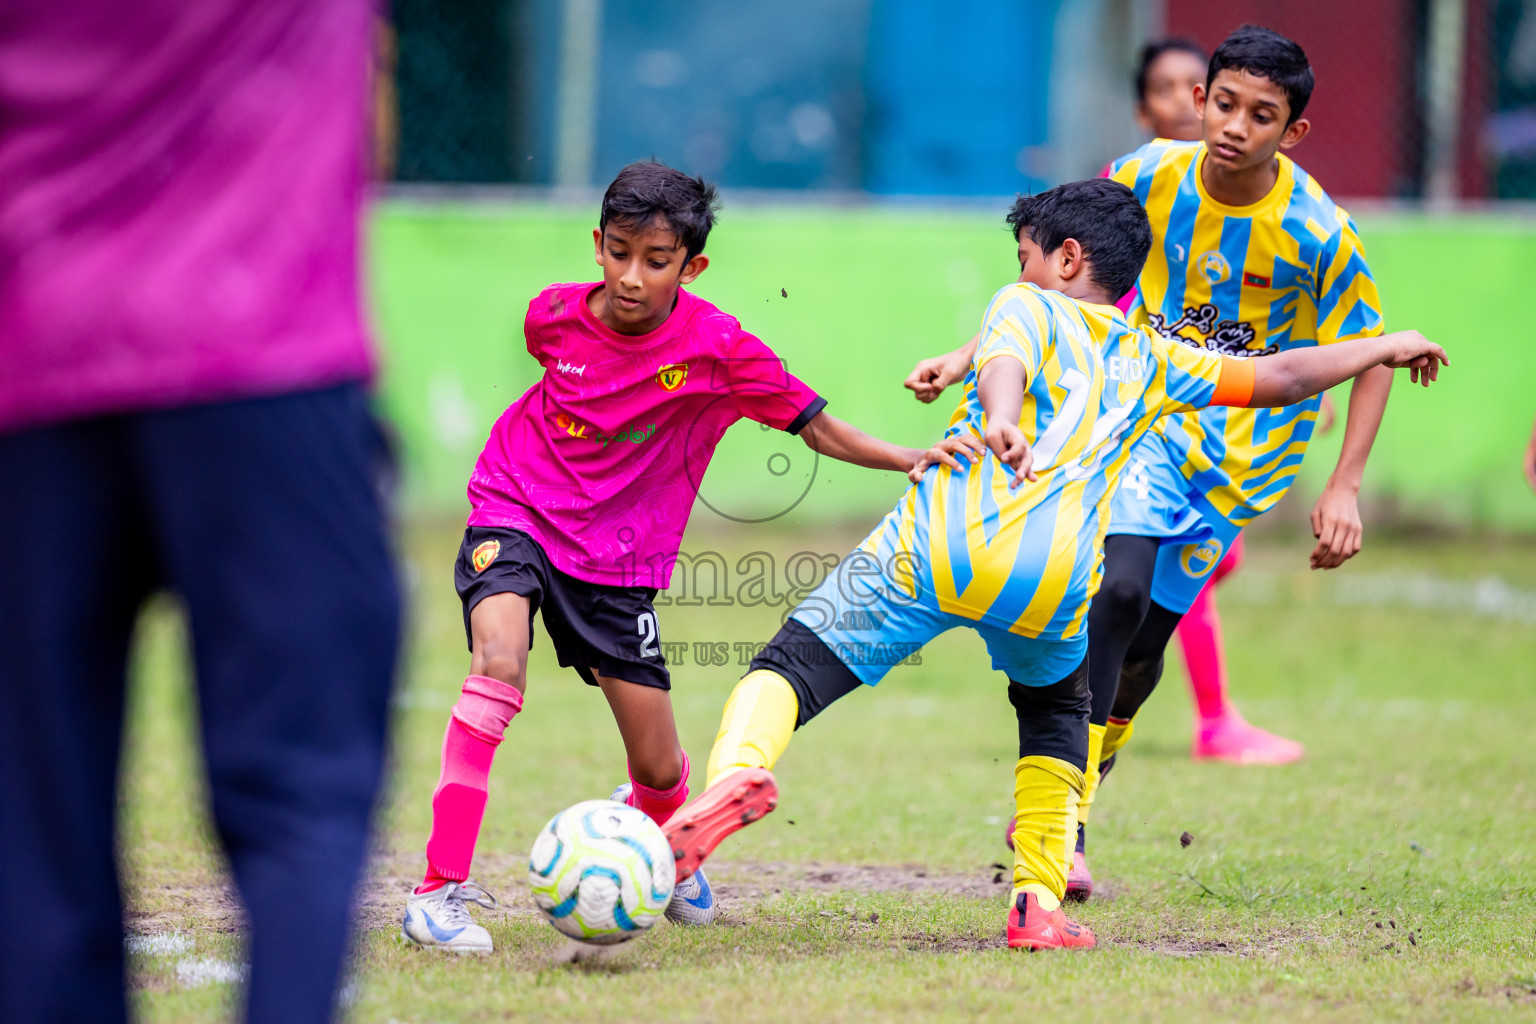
x=756 y=725
x=1046 y=793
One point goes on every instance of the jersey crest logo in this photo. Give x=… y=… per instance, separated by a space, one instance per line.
x=1214 y=267
x=485 y=554
x=1199 y=559
x=671 y=377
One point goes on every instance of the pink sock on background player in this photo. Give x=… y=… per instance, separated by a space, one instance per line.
x=660 y=804
x=1200 y=637
x=485 y=708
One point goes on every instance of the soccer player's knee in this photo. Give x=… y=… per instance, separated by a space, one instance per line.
x=663 y=771
x=1126 y=598
x=486 y=706
x=506 y=663
x=1053 y=719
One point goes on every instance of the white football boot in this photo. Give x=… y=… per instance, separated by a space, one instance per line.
x=439 y=920
x=693 y=901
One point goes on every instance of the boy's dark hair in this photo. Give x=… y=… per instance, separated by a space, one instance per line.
x=1155 y=49
x=1104 y=216
x=647 y=192
x=1268 y=54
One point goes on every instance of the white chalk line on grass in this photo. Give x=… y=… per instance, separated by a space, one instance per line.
x=195 y=972
x=159 y=944
x=1488 y=597
x=198 y=972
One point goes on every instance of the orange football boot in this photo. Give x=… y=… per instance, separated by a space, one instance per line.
x=736 y=800
x=1031 y=928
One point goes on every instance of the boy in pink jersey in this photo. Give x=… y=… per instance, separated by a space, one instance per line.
x=579 y=502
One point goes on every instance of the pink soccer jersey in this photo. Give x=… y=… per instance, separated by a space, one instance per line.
x=601 y=460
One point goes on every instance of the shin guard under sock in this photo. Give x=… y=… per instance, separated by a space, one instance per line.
x=1091 y=776
x=1046 y=792
x=484 y=709
x=756 y=725
x=660 y=804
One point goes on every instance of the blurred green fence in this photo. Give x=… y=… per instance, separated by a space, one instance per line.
x=872 y=289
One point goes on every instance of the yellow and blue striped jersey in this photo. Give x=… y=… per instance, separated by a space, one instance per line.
x=1028 y=560
x=1286 y=272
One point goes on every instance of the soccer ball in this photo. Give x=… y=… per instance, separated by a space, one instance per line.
x=602 y=872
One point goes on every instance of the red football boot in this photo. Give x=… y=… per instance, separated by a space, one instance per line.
x=1031 y=928
x=734 y=801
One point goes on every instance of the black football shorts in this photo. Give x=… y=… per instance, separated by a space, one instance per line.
x=596 y=628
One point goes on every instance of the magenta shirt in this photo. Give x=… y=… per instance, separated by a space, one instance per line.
x=601 y=460
x=180 y=187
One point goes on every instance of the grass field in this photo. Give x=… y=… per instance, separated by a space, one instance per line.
x=1391 y=874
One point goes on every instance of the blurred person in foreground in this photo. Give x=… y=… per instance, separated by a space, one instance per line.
x=183 y=406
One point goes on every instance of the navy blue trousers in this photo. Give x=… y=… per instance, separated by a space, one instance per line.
x=265 y=518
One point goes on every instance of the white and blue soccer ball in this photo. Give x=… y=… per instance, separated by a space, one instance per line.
x=602 y=872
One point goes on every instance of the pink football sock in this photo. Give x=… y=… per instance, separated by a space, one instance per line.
x=485 y=708
x=660 y=804
x=1200 y=637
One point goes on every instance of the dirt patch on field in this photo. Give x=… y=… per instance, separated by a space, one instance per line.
x=162 y=909
x=934 y=943
x=747 y=881
x=738 y=885
x=1176 y=946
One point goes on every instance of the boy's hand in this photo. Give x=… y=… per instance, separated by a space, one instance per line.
x=1422 y=357
x=1336 y=525
x=931 y=376
x=1011 y=447
x=966 y=446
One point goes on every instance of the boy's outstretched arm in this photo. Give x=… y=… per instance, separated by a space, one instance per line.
x=827 y=435
x=931 y=376
x=1290 y=377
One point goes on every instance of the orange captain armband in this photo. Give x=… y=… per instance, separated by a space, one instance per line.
x=1235 y=384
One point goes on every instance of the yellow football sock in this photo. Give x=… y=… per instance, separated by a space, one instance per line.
x=756 y=725
x=1116 y=735
x=1104 y=741
x=1091 y=776
x=1046 y=792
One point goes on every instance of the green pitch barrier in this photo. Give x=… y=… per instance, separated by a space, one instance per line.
x=852 y=297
